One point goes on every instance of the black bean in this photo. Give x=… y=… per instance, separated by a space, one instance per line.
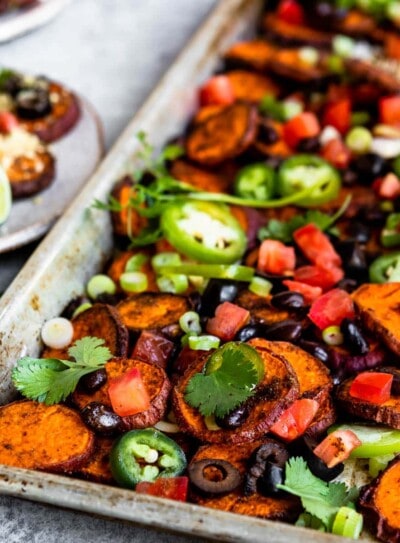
x=93 y=381
x=101 y=418
x=354 y=259
x=368 y=167
x=347 y=284
x=250 y=331
x=217 y=292
x=309 y=145
x=234 y=418
x=349 y=177
x=359 y=232
x=267 y=133
x=315 y=349
x=288 y=300
x=33 y=103
x=287 y=330
x=353 y=337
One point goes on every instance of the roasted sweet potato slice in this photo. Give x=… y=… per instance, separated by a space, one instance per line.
x=312 y=374
x=255 y=54
x=287 y=63
x=117 y=268
x=380 y=505
x=155 y=381
x=210 y=181
x=102 y=321
x=277 y=391
x=356 y=24
x=98 y=467
x=126 y=222
x=65 y=113
x=325 y=417
x=260 y=308
x=251 y=86
x=25 y=428
x=152 y=310
x=224 y=135
x=378 y=305
x=288 y=34
x=386 y=413
x=284 y=509
x=384 y=74
x=30 y=174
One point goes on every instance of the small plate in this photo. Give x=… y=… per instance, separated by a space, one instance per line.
x=21 y=21
x=77 y=155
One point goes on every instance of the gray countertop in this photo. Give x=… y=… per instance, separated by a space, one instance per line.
x=112 y=52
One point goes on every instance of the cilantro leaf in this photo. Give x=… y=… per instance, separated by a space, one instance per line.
x=51 y=380
x=226 y=387
x=322 y=500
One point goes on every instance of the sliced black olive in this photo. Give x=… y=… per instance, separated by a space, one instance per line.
x=273 y=475
x=288 y=300
x=217 y=292
x=316 y=465
x=353 y=337
x=260 y=475
x=33 y=103
x=226 y=479
x=395 y=390
x=267 y=133
x=93 y=381
x=235 y=418
x=101 y=418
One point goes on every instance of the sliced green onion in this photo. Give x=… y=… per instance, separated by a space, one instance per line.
x=100 y=284
x=175 y=283
x=343 y=46
x=136 y=262
x=212 y=271
x=291 y=108
x=393 y=11
x=134 y=281
x=165 y=259
x=309 y=55
x=57 y=333
x=81 y=308
x=332 y=335
x=347 y=523
x=260 y=286
x=335 y=64
x=378 y=464
x=203 y=343
x=387 y=206
x=359 y=118
x=359 y=140
x=190 y=323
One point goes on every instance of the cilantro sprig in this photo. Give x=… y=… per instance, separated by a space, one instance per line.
x=283 y=230
x=319 y=499
x=50 y=380
x=225 y=388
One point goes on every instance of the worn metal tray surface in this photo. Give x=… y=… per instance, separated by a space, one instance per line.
x=75 y=249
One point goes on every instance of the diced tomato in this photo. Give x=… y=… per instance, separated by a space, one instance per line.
x=274 y=257
x=8 y=122
x=310 y=293
x=331 y=308
x=336 y=153
x=316 y=276
x=372 y=386
x=337 y=447
x=172 y=488
x=296 y=419
x=217 y=90
x=128 y=394
x=338 y=114
x=291 y=12
x=387 y=187
x=389 y=109
x=392 y=45
x=229 y=319
x=316 y=246
x=153 y=348
x=304 y=125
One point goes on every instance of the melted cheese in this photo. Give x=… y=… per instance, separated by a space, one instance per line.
x=18 y=143
x=6 y=102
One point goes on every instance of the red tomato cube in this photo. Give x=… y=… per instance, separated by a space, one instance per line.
x=296 y=419
x=172 y=488
x=316 y=276
x=389 y=109
x=128 y=394
x=8 y=122
x=217 y=90
x=337 y=447
x=310 y=293
x=304 y=125
x=316 y=246
x=274 y=257
x=331 y=308
x=338 y=114
x=372 y=386
x=229 y=319
x=336 y=153
x=291 y=12
x=388 y=187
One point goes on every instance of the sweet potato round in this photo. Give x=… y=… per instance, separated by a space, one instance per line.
x=37 y=436
x=31 y=174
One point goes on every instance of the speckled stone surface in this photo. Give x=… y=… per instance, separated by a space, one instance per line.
x=112 y=52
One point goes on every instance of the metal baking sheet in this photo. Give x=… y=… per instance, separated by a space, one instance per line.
x=75 y=249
